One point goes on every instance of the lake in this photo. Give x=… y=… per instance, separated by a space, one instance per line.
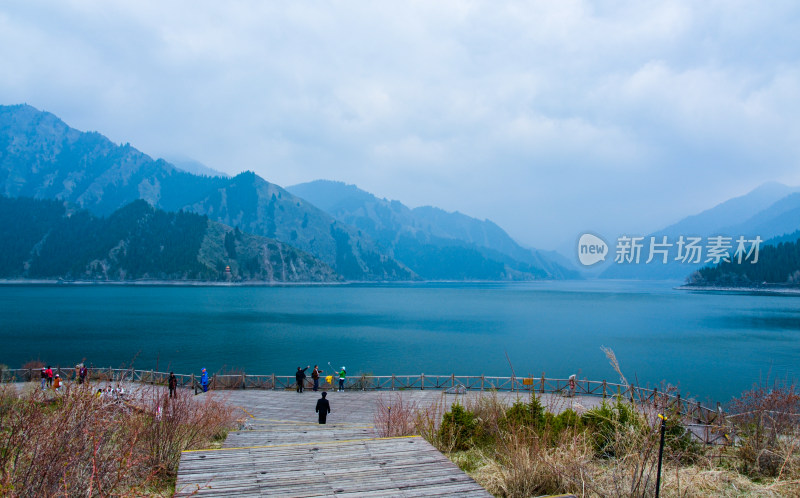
x=713 y=346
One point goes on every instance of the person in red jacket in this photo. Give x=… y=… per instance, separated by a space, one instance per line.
x=49 y=373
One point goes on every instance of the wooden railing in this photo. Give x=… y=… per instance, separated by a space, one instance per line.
x=692 y=410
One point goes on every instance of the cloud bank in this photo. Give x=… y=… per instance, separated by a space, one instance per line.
x=549 y=118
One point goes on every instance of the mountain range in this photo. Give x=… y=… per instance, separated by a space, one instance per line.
x=428 y=239
x=770 y=210
x=43 y=239
x=41 y=157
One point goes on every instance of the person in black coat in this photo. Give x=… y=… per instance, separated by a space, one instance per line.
x=301 y=377
x=173 y=384
x=323 y=408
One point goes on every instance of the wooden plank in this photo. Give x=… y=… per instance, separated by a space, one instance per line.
x=282 y=452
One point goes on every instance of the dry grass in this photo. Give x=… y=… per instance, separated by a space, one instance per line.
x=76 y=443
x=395 y=416
x=612 y=450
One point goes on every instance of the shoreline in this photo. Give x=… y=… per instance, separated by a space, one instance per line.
x=156 y=283
x=207 y=283
x=765 y=291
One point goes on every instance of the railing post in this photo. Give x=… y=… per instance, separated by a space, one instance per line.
x=273 y=382
x=392 y=382
x=541 y=385
x=422 y=382
x=604 y=389
x=482 y=380
x=452 y=380
x=193 y=386
x=244 y=380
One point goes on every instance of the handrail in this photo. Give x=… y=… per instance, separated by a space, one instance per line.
x=539 y=385
x=707 y=422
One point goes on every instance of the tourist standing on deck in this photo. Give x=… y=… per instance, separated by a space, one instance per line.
x=323 y=408
x=315 y=376
x=44 y=377
x=173 y=384
x=204 y=380
x=342 y=376
x=300 y=377
x=57 y=383
x=82 y=374
x=49 y=373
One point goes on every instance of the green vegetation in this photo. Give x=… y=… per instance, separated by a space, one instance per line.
x=89 y=171
x=778 y=263
x=540 y=446
x=39 y=239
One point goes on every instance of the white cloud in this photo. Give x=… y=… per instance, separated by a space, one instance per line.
x=525 y=113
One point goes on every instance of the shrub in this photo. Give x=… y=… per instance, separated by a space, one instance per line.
x=610 y=422
x=565 y=420
x=458 y=428
x=76 y=443
x=521 y=415
x=767 y=428
x=394 y=416
x=679 y=442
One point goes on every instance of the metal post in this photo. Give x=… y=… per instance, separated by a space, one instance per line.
x=660 y=453
x=422 y=383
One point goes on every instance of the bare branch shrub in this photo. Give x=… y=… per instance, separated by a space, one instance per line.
x=79 y=443
x=395 y=416
x=766 y=425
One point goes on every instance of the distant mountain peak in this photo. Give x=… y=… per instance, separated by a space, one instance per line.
x=429 y=238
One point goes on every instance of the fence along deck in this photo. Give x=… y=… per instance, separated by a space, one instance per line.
x=668 y=401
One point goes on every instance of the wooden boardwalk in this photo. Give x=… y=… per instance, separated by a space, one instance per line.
x=282 y=451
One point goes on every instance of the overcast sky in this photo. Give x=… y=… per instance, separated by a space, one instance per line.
x=549 y=118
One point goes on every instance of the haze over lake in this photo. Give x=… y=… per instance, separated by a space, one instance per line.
x=714 y=346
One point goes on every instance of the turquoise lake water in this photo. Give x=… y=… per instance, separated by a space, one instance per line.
x=713 y=346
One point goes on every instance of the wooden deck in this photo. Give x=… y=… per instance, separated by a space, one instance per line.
x=282 y=451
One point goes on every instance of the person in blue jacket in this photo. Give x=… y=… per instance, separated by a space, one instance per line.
x=204 y=380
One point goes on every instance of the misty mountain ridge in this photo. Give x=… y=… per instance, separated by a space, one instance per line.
x=768 y=211
x=425 y=237
x=194 y=167
x=43 y=158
